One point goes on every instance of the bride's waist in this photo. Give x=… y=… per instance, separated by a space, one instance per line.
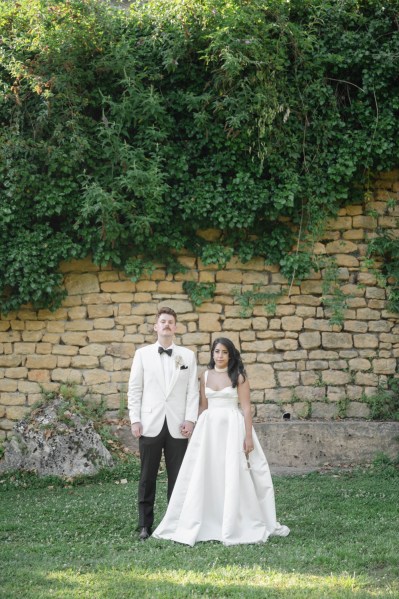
x=222 y=403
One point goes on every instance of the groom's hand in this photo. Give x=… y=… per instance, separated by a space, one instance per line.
x=186 y=428
x=137 y=429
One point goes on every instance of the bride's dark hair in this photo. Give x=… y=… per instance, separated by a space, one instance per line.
x=235 y=366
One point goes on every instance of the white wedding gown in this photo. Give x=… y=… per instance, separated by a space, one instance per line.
x=219 y=494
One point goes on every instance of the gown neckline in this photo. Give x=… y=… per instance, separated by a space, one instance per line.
x=217 y=390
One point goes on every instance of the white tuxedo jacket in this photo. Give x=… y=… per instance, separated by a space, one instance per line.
x=149 y=402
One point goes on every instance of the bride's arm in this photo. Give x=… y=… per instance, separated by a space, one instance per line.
x=245 y=402
x=203 y=400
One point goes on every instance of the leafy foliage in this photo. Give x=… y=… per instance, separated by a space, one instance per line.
x=124 y=132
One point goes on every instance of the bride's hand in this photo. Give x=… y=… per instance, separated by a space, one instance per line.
x=248 y=445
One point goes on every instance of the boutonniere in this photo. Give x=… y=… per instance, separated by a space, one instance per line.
x=179 y=363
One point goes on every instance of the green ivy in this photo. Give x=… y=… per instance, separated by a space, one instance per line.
x=199 y=292
x=125 y=132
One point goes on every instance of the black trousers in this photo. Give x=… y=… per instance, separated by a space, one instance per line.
x=150 y=456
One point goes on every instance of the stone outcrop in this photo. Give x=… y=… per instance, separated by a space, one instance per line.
x=55 y=441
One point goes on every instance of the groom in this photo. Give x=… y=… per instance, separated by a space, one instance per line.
x=163 y=407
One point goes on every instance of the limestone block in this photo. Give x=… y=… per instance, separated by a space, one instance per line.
x=34 y=325
x=355 y=326
x=286 y=344
x=122 y=310
x=79 y=339
x=376 y=304
x=8 y=385
x=354 y=234
x=63 y=361
x=29 y=387
x=375 y=293
x=269 y=358
x=388 y=338
x=359 y=364
x=84 y=362
x=16 y=373
x=107 y=363
x=364 y=222
x=305 y=311
x=57 y=326
x=356 y=302
x=260 y=323
x=292 y=323
x=77 y=313
x=383 y=366
x=335 y=377
x=354 y=391
x=296 y=355
x=318 y=364
x=346 y=260
x=271 y=335
x=285 y=366
x=349 y=354
x=77 y=284
x=258 y=346
x=66 y=375
x=247 y=335
x=338 y=364
x=310 y=287
x=288 y=378
x=341 y=246
x=285 y=310
x=365 y=378
x=209 y=322
x=309 y=377
x=10 y=337
x=64 y=350
x=231 y=276
x=365 y=341
x=326 y=411
x=357 y=409
x=197 y=338
x=309 y=393
x=278 y=395
x=317 y=324
x=32 y=336
x=170 y=287
x=95 y=376
x=368 y=314
x=4 y=325
x=41 y=376
x=268 y=411
x=100 y=336
x=38 y=362
x=387 y=222
x=261 y=376
x=122 y=298
x=336 y=393
x=310 y=340
x=366 y=278
x=106 y=389
x=340 y=223
x=123 y=287
x=79 y=325
x=306 y=300
x=120 y=350
x=336 y=340
x=16 y=412
x=96 y=298
x=104 y=323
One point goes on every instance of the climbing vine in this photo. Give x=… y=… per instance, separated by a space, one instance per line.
x=125 y=132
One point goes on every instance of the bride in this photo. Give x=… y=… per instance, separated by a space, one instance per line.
x=224 y=491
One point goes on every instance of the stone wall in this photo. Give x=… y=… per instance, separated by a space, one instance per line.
x=296 y=360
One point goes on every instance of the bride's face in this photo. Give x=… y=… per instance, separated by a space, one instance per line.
x=221 y=356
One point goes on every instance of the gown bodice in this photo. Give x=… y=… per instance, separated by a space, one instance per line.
x=223 y=398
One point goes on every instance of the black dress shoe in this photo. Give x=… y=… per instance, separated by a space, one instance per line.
x=145 y=533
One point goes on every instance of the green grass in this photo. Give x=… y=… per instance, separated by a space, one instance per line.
x=74 y=541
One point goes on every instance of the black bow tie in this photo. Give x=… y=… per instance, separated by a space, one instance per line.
x=161 y=350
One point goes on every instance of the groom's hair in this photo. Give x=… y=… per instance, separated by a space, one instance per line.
x=166 y=310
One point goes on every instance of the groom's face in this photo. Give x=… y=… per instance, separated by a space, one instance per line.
x=165 y=326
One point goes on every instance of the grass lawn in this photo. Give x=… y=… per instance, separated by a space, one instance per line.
x=76 y=541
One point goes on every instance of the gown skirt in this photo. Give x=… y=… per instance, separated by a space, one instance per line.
x=219 y=494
